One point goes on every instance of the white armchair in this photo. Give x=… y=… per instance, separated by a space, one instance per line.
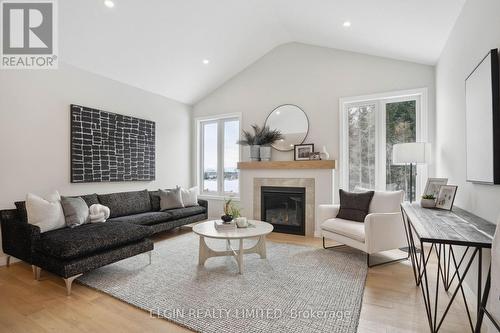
x=382 y=229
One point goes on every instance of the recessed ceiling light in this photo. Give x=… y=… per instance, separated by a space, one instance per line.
x=109 y=3
x=347 y=24
x=206 y=61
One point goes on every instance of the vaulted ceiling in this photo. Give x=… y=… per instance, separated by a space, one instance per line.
x=160 y=45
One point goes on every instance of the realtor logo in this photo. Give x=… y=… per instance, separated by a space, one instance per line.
x=29 y=34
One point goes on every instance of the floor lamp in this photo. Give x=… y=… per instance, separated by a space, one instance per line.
x=411 y=153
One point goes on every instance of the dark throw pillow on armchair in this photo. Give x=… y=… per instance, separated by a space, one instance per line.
x=354 y=206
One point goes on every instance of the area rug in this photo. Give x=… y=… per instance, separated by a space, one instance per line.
x=296 y=289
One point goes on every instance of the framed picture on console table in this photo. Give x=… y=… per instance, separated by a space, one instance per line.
x=433 y=185
x=303 y=152
x=446 y=196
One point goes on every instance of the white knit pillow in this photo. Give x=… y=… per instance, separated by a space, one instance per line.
x=47 y=214
x=98 y=213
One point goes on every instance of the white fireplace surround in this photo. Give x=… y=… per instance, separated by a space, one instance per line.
x=317 y=182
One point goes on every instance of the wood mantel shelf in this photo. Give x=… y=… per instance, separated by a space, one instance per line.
x=321 y=164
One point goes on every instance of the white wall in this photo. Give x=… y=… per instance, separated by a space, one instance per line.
x=35 y=131
x=313 y=78
x=476 y=31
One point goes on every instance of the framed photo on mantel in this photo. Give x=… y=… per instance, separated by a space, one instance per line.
x=303 y=152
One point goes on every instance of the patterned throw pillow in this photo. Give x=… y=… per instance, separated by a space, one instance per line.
x=354 y=206
x=21 y=211
x=154 y=196
x=170 y=199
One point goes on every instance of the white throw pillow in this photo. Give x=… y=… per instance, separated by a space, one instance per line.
x=47 y=214
x=384 y=201
x=190 y=196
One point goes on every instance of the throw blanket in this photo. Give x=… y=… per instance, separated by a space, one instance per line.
x=98 y=213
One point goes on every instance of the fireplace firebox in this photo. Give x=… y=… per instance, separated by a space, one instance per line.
x=284 y=208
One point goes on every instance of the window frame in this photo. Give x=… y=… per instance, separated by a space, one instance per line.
x=380 y=100
x=219 y=120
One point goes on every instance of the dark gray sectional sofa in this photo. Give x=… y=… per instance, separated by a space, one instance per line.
x=70 y=252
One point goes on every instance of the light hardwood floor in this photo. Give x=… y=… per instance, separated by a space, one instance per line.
x=391 y=302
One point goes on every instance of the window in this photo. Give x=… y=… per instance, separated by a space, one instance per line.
x=370 y=128
x=362 y=145
x=218 y=155
x=400 y=127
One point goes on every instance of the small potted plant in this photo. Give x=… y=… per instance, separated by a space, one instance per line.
x=266 y=138
x=428 y=201
x=251 y=140
x=241 y=222
x=229 y=211
x=260 y=142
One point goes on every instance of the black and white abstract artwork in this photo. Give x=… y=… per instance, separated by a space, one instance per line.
x=109 y=147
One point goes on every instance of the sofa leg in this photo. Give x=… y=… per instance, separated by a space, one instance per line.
x=69 y=282
x=384 y=262
x=36 y=272
x=150 y=253
x=8 y=261
x=331 y=247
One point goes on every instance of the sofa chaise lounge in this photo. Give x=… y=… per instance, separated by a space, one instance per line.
x=70 y=252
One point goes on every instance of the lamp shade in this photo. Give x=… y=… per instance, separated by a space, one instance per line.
x=412 y=152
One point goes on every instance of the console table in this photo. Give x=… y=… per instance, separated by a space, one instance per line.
x=444 y=231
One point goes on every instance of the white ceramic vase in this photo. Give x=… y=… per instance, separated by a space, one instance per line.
x=265 y=153
x=241 y=222
x=428 y=203
x=324 y=154
x=255 y=152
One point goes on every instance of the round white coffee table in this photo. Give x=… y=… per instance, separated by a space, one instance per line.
x=207 y=230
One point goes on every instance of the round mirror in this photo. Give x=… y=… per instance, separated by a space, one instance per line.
x=292 y=122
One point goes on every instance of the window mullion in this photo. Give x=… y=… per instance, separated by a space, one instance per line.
x=345 y=148
x=220 y=157
x=201 y=161
x=421 y=136
x=382 y=154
